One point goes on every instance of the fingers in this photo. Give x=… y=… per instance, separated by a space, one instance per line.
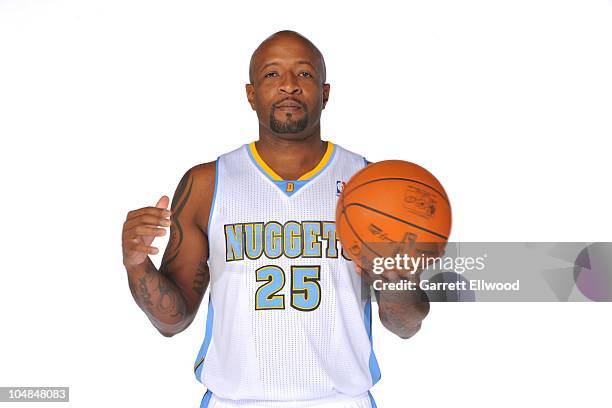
x=139 y=247
x=144 y=231
x=140 y=229
x=138 y=238
x=163 y=202
x=147 y=219
x=389 y=275
x=158 y=212
x=367 y=275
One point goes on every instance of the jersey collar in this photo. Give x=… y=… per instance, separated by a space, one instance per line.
x=290 y=187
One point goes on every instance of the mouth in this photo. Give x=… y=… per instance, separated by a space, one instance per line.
x=288 y=106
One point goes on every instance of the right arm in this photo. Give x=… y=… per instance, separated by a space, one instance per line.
x=171 y=296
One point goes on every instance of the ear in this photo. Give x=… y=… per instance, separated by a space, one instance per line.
x=250 y=91
x=325 y=94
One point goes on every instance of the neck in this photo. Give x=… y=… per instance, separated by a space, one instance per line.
x=291 y=158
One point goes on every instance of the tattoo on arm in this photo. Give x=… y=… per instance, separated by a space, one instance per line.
x=183 y=191
x=201 y=279
x=144 y=294
x=402 y=313
x=158 y=296
x=169 y=301
x=155 y=291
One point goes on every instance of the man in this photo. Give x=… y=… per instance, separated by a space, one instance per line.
x=287 y=325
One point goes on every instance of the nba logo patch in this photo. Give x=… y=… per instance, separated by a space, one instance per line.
x=339 y=187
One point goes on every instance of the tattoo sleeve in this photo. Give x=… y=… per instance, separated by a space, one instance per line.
x=156 y=291
x=402 y=313
x=159 y=297
x=201 y=279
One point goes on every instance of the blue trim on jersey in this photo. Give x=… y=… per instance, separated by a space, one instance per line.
x=211 y=312
x=206 y=399
x=212 y=207
x=297 y=184
x=367 y=317
x=331 y=158
x=207 y=337
x=372 y=403
x=265 y=173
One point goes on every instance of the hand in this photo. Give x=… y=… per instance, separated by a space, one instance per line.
x=140 y=229
x=388 y=275
x=419 y=259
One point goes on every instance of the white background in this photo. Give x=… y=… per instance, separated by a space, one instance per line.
x=105 y=104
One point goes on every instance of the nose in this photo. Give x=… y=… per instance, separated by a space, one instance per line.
x=290 y=85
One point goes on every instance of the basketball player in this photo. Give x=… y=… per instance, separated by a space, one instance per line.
x=287 y=325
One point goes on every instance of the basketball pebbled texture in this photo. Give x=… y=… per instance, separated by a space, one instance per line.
x=393 y=202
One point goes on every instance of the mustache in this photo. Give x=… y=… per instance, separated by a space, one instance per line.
x=302 y=104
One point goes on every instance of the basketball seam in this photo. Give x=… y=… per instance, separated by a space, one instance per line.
x=399 y=178
x=348 y=221
x=398 y=219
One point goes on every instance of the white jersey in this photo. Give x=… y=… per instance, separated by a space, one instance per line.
x=286 y=317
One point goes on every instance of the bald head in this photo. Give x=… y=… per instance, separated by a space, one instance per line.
x=280 y=40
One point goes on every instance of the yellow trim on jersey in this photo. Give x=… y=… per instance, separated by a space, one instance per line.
x=263 y=164
x=306 y=176
x=322 y=163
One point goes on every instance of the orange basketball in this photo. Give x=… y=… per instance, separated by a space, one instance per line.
x=392 y=207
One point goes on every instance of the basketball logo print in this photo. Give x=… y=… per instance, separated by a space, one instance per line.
x=419 y=202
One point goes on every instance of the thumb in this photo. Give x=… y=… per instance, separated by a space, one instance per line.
x=163 y=202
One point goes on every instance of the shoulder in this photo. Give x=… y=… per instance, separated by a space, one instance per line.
x=204 y=174
x=197 y=180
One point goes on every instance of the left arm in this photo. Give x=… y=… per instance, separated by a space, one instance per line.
x=400 y=311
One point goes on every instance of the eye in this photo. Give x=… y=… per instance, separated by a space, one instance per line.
x=271 y=74
x=305 y=74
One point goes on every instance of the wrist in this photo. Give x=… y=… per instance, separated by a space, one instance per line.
x=139 y=269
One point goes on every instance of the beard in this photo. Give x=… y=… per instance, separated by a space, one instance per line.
x=288 y=125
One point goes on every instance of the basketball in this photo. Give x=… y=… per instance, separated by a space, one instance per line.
x=392 y=207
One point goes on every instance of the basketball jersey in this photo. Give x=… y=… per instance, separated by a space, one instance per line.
x=286 y=317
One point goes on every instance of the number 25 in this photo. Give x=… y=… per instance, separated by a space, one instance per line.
x=305 y=288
